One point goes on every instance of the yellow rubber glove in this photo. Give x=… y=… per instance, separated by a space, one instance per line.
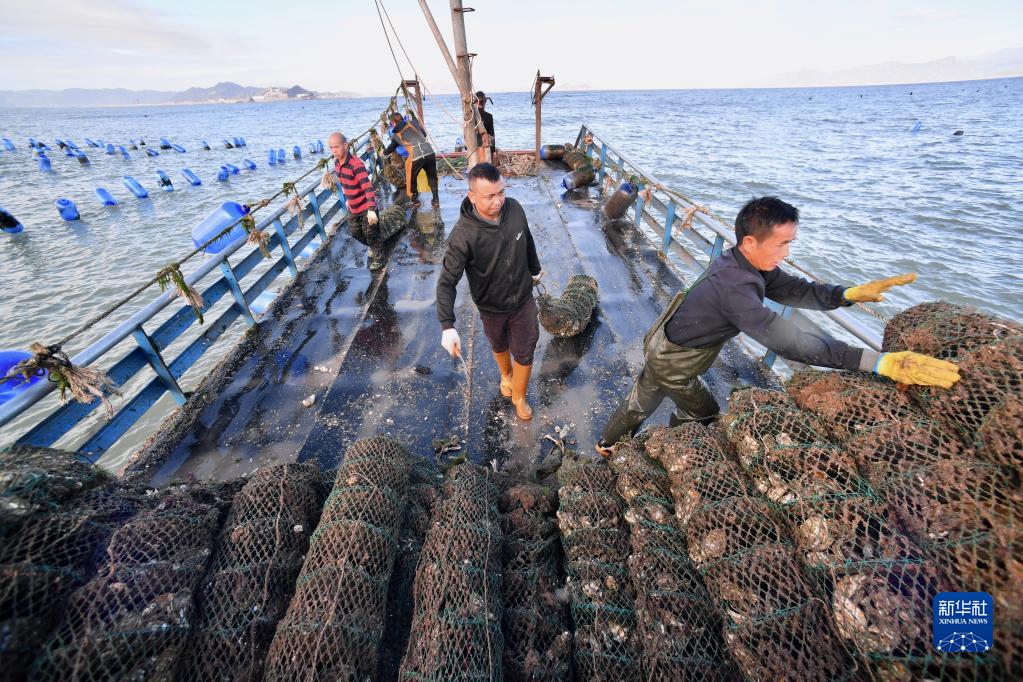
x=908 y=367
x=874 y=291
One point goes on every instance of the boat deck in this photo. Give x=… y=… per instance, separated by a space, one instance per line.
x=368 y=347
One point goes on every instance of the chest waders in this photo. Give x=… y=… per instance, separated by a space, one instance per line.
x=669 y=371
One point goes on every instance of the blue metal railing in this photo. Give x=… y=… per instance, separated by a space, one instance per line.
x=692 y=244
x=149 y=346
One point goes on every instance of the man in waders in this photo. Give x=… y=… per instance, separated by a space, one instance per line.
x=492 y=245
x=486 y=140
x=727 y=299
x=409 y=134
x=360 y=198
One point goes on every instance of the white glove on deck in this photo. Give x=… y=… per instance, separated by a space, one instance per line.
x=371 y=217
x=452 y=344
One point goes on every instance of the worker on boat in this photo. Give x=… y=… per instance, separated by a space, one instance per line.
x=727 y=299
x=491 y=243
x=360 y=198
x=485 y=140
x=410 y=134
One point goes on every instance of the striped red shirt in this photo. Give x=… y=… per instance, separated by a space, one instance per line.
x=355 y=184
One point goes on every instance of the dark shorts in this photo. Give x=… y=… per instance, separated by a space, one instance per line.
x=517 y=331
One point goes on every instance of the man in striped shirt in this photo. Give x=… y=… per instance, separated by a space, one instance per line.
x=360 y=197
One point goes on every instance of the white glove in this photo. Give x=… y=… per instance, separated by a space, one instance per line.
x=452 y=344
x=537 y=278
x=371 y=217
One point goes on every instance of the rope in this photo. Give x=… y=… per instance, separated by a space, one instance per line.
x=388 y=38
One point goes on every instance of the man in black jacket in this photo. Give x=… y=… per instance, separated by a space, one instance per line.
x=486 y=140
x=728 y=298
x=492 y=245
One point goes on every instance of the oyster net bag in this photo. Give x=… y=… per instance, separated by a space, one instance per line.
x=945 y=330
x=394 y=171
x=596 y=541
x=568 y=315
x=678 y=626
x=537 y=638
x=333 y=627
x=249 y=586
x=422 y=499
x=132 y=620
x=849 y=402
x=777 y=625
x=391 y=221
x=456 y=624
x=57 y=514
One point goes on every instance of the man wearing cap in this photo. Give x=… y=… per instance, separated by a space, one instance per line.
x=409 y=134
x=728 y=298
x=486 y=140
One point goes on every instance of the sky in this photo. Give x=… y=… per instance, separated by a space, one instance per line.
x=598 y=44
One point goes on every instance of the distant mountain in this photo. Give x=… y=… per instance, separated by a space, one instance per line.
x=104 y=97
x=1001 y=64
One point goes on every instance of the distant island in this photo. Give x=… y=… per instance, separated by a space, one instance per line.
x=221 y=93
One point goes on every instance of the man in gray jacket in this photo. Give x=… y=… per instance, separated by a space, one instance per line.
x=728 y=298
x=491 y=244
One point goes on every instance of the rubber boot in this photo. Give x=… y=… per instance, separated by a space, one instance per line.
x=504 y=363
x=520 y=382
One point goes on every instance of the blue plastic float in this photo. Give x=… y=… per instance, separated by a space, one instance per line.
x=69 y=152
x=223 y=174
x=205 y=145
x=142 y=143
x=296 y=151
x=61 y=143
x=71 y=144
x=152 y=152
x=312 y=147
x=236 y=142
x=164 y=143
x=192 y=178
x=217 y=221
x=67 y=209
x=133 y=185
x=244 y=143
x=8 y=360
x=101 y=144
x=231 y=167
x=82 y=158
x=319 y=146
x=32 y=143
x=9 y=224
x=8 y=145
x=271 y=158
x=228 y=145
x=249 y=164
x=178 y=148
x=91 y=143
x=165 y=181
x=280 y=156
x=44 y=163
x=124 y=152
x=110 y=148
x=105 y=197
x=132 y=144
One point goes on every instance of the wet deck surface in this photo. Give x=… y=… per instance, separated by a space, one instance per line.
x=379 y=340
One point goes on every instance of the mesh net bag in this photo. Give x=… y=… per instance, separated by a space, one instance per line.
x=945 y=330
x=576 y=158
x=394 y=171
x=333 y=627
x=58 y=514
x=250 y=582
x=567 y=316
x=759 y=420
x=606 y=641
x=456 y=624
x=132 y=620
x=422 y=499
x=848 y=402
x=679 y=628
x=537 y=639
x=391 y=221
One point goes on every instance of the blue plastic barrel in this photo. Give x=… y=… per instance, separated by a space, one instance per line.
x=132 y=144
x=152 y=152
x=142 y=143
x=32 y=143
x=124 y=152
x=228 y=145
x=236 y=142
x=69 y=152
x=101 y=144
x=228 y=213
x=296 y=151
x=67 y=209
x=312 y=147
x=9 y=224
x=105 y=197
x=110 y=148
x=44 y=163
x=271 y=158
x=42 y=145
x=205 y=145
x=164 y=143
x=82 y=158
x=8 y=360
x=319 y=146
x=231 y=167
x=917 y=126
x=133 y=185
x=165 y=181
x=280 y=156
x=249 y=164
x=192 y=178
x=244 y=143
x=178 y=148
x=61 y=143
x=8 y=145
x=90 y=143
x=223 y=174
x=71 y=144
